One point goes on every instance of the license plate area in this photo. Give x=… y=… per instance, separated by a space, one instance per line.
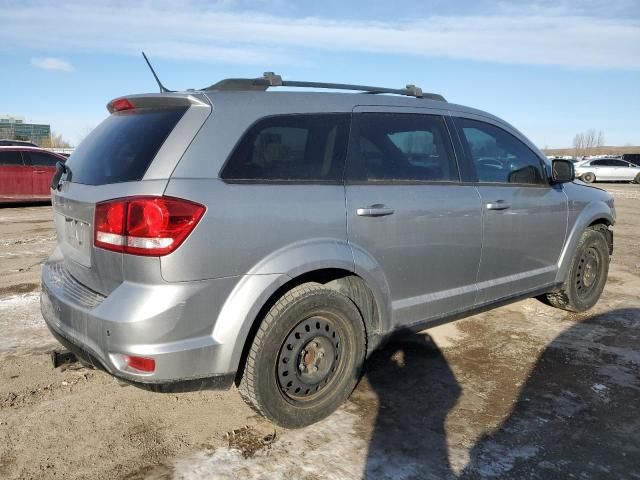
x=77 y=239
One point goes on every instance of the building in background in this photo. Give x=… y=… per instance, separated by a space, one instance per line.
x=15 y=128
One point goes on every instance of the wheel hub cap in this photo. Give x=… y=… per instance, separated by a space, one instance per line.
x=308 y=358
x=587 y=274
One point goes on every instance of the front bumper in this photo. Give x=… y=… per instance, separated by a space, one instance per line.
x=171 y=323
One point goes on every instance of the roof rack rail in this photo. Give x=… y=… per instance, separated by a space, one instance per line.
x=270 y=79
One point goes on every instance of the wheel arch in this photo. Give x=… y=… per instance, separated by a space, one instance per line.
x=342 y=280
x=595 y=215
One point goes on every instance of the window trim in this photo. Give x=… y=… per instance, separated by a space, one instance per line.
x=282 y=181
x=469 y=157
x=354 y=159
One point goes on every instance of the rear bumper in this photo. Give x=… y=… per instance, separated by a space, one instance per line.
x=171 y=323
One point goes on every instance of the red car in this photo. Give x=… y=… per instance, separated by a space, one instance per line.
x=25 y=173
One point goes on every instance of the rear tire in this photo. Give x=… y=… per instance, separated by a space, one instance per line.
x=587 y=275
x=637 y=179
x=588 y=177
x=306 y=357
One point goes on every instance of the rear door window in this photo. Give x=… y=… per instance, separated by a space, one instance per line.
x=41 y=159
x=11 y=158
x=618 y=163
x=402 y=146
x=307 y=148
x=123 y=146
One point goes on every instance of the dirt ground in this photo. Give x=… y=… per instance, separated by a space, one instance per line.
x=524 y=391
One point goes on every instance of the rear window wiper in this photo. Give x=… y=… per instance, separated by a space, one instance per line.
x=61 y=169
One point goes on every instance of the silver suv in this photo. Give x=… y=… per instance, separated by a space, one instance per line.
x=275 y=239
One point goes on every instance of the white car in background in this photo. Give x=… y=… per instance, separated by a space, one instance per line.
x=607 y=169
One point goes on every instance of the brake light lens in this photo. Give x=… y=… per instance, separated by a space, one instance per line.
x=150 y=226
x=120 y=104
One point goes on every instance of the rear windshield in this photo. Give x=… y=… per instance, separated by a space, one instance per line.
x=122 y=147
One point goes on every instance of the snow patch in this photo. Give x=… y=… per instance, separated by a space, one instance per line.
x=325 y=450
x=22 y=325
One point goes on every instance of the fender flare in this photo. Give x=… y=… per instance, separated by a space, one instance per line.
x=245 y=303
x=593 y=213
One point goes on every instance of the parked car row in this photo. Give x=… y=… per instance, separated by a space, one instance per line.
x=25 y=173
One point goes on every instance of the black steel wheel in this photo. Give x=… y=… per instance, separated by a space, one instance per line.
x=587 y=272
x=587 y=275
x=306 y=357
x=309 y=358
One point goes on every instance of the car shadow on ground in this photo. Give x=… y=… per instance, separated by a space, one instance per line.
x=577 y=414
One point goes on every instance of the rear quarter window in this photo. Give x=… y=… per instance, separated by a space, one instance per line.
x=123 y=146
x=291 y=148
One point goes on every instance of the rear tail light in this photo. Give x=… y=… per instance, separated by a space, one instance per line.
x=151 y=226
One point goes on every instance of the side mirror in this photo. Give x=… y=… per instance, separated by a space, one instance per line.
x=562 y=171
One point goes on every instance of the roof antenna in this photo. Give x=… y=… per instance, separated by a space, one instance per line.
x=163 y=89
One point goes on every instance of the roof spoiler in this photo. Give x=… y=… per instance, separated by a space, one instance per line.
x=150 y=101
x=270 y=79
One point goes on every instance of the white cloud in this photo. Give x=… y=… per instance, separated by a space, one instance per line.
x=51 y=63
x=197 y=32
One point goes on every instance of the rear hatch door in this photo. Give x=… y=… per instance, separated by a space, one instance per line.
x=132 y=152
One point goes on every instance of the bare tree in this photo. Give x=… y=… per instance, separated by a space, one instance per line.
x=585 y=143
x=57 y=141
x=578 y=145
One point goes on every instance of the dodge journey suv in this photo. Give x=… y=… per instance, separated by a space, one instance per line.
x=275 y=239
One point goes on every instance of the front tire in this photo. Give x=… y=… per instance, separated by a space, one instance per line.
x=588 y=177
x=637 y=179
x=587 y=275
x=306 y=357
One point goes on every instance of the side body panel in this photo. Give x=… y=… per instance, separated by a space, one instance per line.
x=43 y=167
x=429 y=249
x=16 y=183
x=249 y=228
x=627 y=173
x=522 y=244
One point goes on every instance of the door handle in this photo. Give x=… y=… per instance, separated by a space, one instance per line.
x=39 y=171
x=374 y=211
x=498 y=205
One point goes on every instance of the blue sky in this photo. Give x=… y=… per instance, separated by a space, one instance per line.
x=551 y=68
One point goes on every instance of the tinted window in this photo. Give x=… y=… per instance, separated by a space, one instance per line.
x=597 y=163
x=290 y=148
x=42 y=159
x=122 y=147
x=618 y=163
x=498 y=156
x=399 y=146
x=10 y=158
